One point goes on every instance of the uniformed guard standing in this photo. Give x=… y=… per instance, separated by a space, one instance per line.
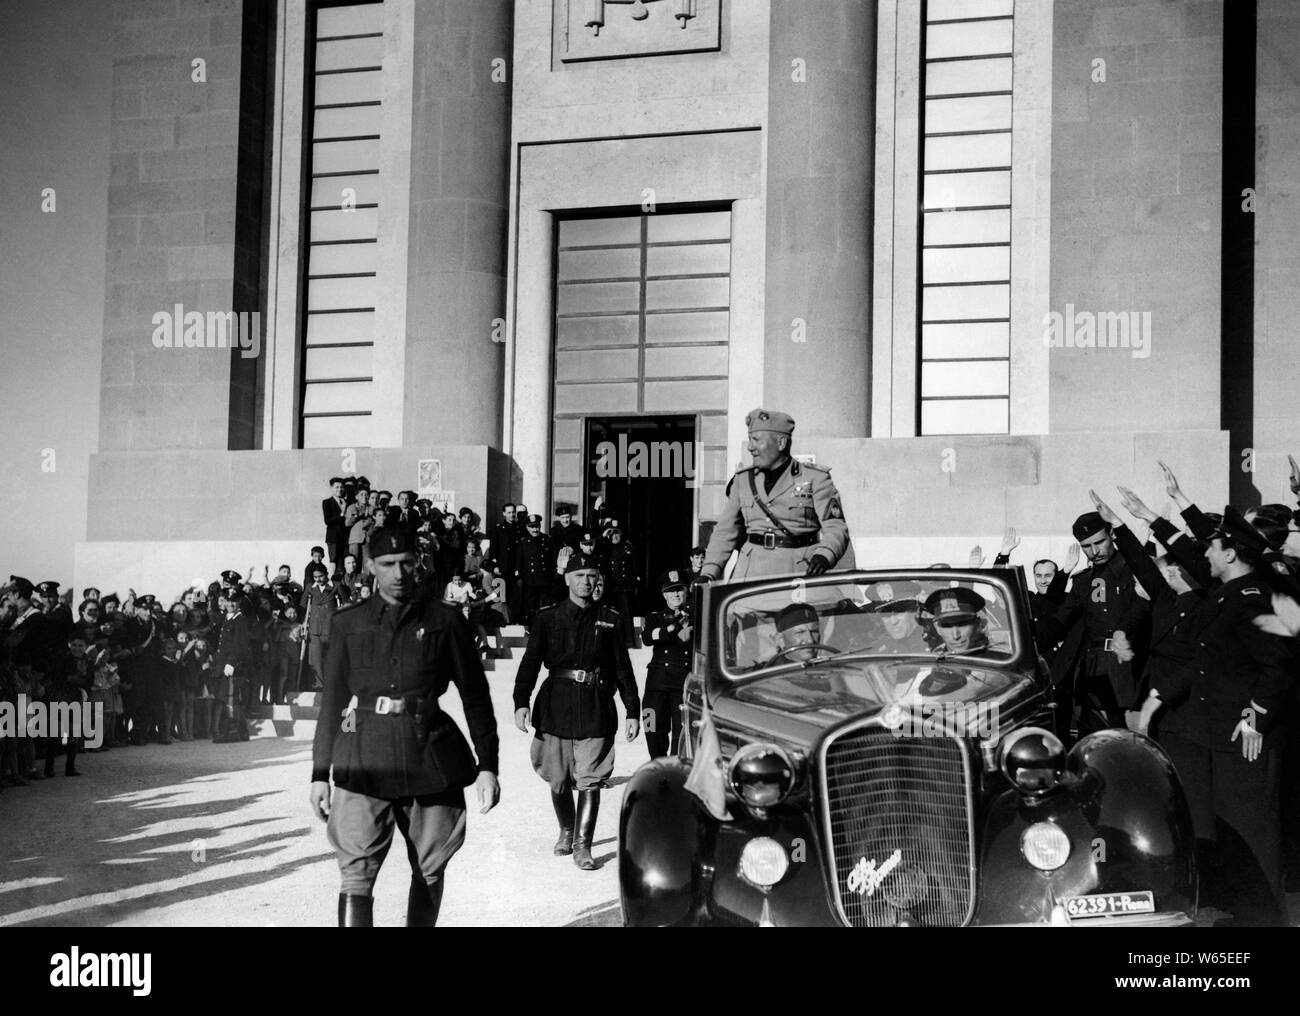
x=783 y=516
x=574 y=718
x=669 y=632
x=534 y=567
x=1086 y=670
x=398 y=759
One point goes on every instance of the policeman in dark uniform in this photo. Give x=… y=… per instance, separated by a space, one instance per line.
x=1102 y=601
x=58 y=616
x=1242 y=680
x=899 y=616
x=957 y=616
x=399 y=761
x=784 y=517
x=233 y=667
x=533 y=567
x=574 y=718
x=669 y=632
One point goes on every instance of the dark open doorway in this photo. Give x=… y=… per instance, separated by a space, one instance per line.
x=640 y=470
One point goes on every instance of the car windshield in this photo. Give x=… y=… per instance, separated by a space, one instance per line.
x=808 y=622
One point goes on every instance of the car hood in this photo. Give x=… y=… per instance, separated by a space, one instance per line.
x=826 y=694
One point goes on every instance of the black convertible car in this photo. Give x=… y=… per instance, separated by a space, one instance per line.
x=877 y=749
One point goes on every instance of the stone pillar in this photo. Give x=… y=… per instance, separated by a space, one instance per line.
x=821 y=125
x=460 y=173
x=172 y=205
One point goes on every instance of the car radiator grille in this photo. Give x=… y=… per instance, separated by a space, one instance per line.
x=900 y=806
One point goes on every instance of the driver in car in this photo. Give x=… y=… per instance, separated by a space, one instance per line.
x=798 y=634
x=957 y=618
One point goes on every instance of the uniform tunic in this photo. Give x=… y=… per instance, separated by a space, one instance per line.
x=413 y=652
x=803 y=499
x=580 y=638
x=669 y=666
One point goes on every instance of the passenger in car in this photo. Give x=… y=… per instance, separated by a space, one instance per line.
x=957 y=618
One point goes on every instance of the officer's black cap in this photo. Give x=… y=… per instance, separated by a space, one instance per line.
x=581 y=562
x=147 y=601
x=1239 y=533
x=336 y=479
x=670 y=580
x=1088 y=524
x=391 y=540
x=230 y=577
x=795 y=614
x=48 y=588
x=534 y=520
x=587 y=538
x=954 y=605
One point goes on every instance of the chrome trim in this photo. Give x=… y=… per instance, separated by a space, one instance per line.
x=823 y=791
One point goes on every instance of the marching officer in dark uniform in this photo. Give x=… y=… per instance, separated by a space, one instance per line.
x=398 y=760
x=574 y=717
x=669 y=631
x=784 y=517
x=1102 y=601
x=534 y=567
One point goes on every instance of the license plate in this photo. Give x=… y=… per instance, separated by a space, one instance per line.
x=1110 y=904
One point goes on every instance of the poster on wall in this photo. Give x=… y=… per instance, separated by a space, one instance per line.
x=429 y=479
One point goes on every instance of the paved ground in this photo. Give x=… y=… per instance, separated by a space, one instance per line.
x=204 y=834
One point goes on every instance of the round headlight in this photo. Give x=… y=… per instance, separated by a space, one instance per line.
x=1045 y=846
x=764 y=861
x=1033 y=759
x=762 y=775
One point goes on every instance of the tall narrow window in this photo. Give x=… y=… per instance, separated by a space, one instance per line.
x=965 y=271
x=642 y=312
x=341 y=281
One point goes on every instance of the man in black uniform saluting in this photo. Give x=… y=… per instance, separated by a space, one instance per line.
x=574 y=718
x=669 y=631
x=398 y=759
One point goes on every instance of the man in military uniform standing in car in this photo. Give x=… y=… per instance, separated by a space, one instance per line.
x=574 y=719
x=399 y=761
x=783 y=516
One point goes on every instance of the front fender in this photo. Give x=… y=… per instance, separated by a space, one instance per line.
x=1122 y=806
x=661 y=842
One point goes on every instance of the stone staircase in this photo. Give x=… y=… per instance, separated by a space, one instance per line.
x=297 y=721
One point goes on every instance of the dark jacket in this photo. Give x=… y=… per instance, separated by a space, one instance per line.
x=620 y=574
x=234 y=646
x=1104 y=596
x=671 y=660
x=412 y=652
x=566 y=536
x=336 y=530
x=1169 y=668
x=534 y=561
x=502 y=540
x=1237 y=667
x=582 y=638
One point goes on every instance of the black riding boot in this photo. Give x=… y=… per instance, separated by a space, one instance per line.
x=588 y=806
x=564 y=812
x=356 y=911
x=423 y=903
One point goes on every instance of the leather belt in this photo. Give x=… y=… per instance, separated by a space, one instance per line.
x=577 y=676
x=1098 y=646
x=382 y=705
x=771 y=539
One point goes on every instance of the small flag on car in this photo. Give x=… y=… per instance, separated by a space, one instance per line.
x=708 y=776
